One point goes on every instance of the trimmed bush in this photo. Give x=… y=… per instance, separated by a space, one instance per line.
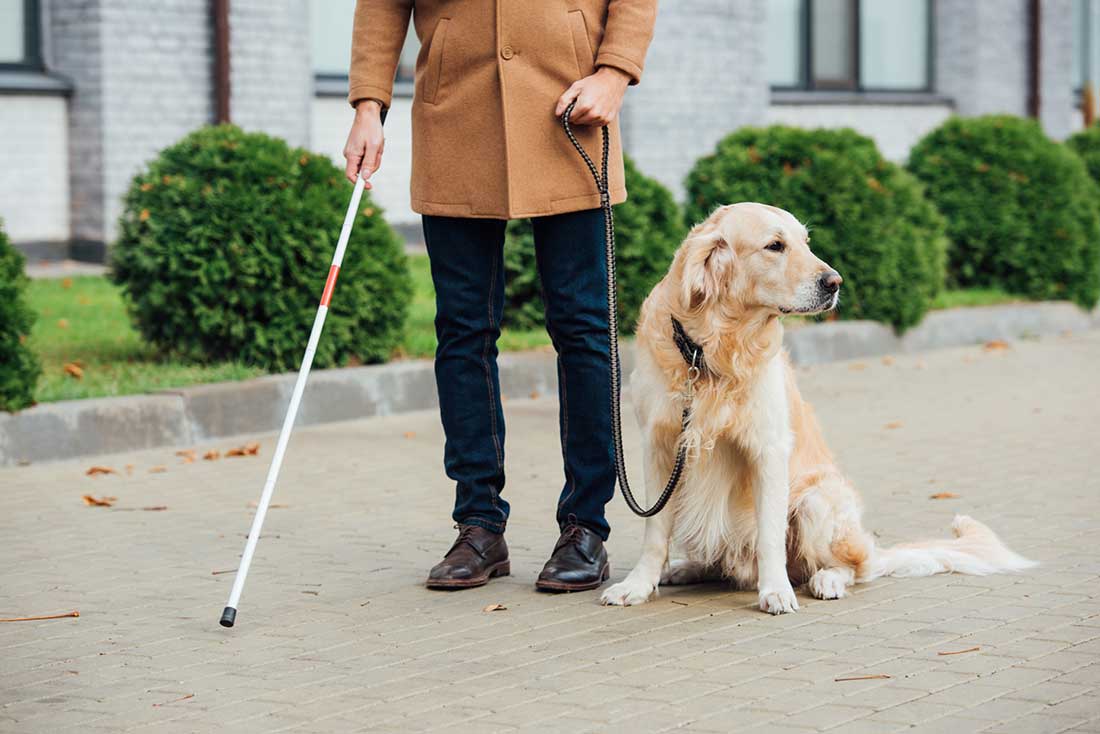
x=1086 y=144
x=19 y=367
x=224 y=247
x=1021 y=210
x=648 y=229
x=868 y=217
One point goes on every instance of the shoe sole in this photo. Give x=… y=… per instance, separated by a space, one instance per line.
x=504 y=568
x=561 y=587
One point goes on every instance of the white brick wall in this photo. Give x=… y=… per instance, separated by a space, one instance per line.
x=271 y=77
x=894 y=128
x=34 y=178
x=704 y=78
x=331 y=119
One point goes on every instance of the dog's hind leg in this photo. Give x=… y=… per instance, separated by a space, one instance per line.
x=681 y=572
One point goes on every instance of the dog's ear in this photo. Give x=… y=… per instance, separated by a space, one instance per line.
x=708 y=265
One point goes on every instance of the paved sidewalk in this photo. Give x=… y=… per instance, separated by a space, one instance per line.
x=336 y=634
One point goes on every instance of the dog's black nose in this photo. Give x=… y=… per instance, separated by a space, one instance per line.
x=830 y=281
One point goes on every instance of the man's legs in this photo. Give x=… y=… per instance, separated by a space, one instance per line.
x=570 y=253
x=467 y=261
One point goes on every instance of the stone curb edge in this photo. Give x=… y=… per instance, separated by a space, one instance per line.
x=188 y=416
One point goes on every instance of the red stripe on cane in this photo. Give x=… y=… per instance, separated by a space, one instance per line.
x=330 y=285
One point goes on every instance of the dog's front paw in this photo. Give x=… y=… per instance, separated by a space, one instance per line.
x=780 y=600
x=629 y=592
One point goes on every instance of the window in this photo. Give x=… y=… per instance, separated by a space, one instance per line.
x=1086 y=43
x=19 y=34
x=330 y=38
x=856 y=45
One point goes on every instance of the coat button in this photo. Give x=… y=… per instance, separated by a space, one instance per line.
x=507 y=52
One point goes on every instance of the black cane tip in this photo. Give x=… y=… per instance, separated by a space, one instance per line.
x=229 y=616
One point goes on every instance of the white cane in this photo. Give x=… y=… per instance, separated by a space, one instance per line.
x=229 y=616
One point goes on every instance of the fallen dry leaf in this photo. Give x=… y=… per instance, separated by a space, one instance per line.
x=156 y=508
x=157 y=469
x=188 y=455
x=534 y=394
x=960 y=652
x=249 y=449
x=943 y=496
x=996 y=345
x=91 y=501
x=410 y=434
x=67 y=283
x=66 y=615
x=212 y=455
x=887 y=360
x=857 y=366
x=174 y=700
x=97 y=470
x=893 y=424
x=218 y=573
x=73 y=370
x=63 y=323
x=494 y=608
x=877 y=676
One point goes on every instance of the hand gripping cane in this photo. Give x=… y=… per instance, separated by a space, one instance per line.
x=229 y=616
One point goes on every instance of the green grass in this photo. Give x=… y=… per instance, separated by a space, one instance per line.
x=973 y=297
x=83 y=320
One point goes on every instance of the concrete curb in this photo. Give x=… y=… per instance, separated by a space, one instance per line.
x=70 y=429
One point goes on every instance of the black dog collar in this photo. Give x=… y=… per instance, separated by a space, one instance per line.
x=690 y=350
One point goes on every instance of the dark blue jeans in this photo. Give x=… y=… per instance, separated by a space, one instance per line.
x=467 y=259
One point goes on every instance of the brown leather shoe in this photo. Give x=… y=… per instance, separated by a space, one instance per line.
x=579 y=562
x=476 y=556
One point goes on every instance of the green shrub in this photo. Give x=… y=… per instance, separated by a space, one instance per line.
x=1086 y=144
x=224 y=247
x=1021 y=210
x=868 y=217
x=648 y=229
x=19 y=367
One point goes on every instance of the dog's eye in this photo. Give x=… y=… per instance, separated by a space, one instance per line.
x=776 y=246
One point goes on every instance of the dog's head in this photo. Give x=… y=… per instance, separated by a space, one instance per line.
x=755 y=257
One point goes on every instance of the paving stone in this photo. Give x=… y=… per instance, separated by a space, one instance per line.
x=369 y=649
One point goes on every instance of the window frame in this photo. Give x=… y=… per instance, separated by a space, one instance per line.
x=32 y=41
x=856 y=86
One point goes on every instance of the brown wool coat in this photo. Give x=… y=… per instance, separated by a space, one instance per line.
x=485 y=139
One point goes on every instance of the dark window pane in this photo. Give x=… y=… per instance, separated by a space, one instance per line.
x=834 y=43
x=893 y=37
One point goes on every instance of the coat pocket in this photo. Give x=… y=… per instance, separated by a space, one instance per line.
x=582 y=46
x=433 y=68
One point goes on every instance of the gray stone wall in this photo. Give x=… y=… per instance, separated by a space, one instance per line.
x=142 y=77
x=704 y=77
x=1057 y=101
x=271 y=73
x=981 y=55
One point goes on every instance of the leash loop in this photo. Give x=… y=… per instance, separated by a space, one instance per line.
x=604 y=188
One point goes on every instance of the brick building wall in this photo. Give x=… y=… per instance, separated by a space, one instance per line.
x=271 y=78
x=704 y=77
x=141 y=75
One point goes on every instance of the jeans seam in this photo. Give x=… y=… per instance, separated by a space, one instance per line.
x=489 y=383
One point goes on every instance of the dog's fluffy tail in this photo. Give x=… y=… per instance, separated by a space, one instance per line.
x=975 y=550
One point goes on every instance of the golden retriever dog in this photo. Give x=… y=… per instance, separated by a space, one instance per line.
x=761 y=501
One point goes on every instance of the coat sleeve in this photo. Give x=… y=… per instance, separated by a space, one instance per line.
x=377 y=37
x=627 y=34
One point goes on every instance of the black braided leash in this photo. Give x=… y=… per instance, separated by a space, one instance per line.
x=684 y=343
